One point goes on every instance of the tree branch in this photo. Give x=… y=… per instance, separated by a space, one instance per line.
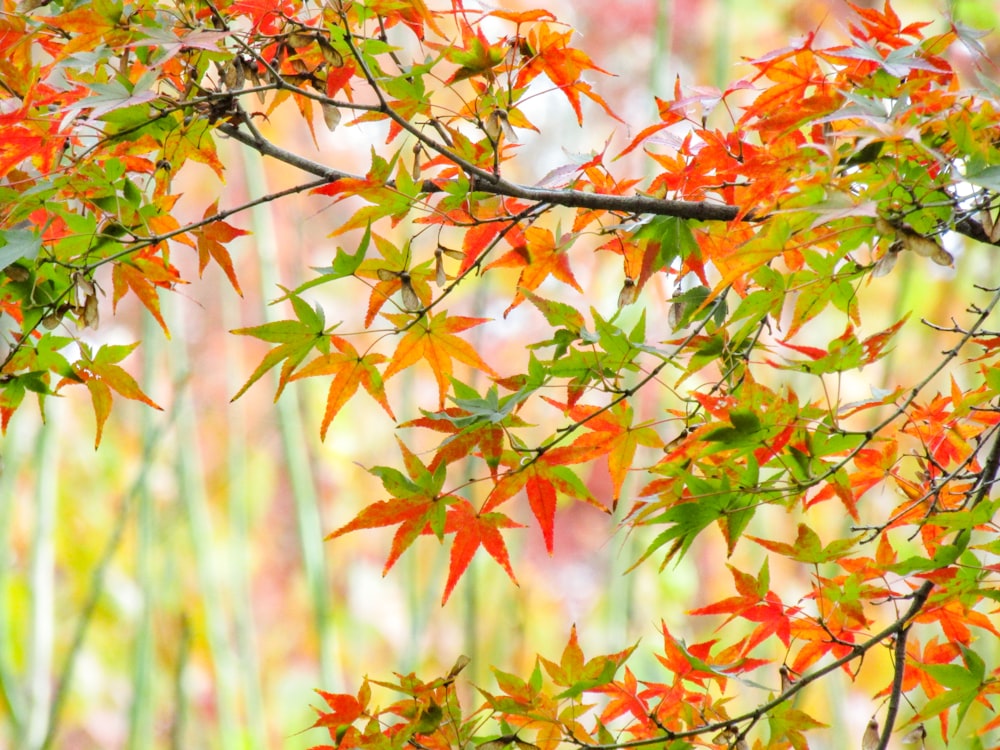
x=568 y=198
x=897 y=686
x=626 y=204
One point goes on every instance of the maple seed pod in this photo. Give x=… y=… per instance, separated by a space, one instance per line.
x=17 y=273
x=730 y=737
x=887 y=262
x=883 y=227
x=331 y=115
x=84 y=284
x=234 y=75
x=330 y=54
x=917 y=735
x=924 y=246
x=51 y=320
x=992 y=228
x=786 y=678
x=418 y=151
x=460 y=663
x=411 y=301
x=88 y=317
x=492 y=126
x=628 y=293
x=440 y=277
x=505 y=126
x=299 y=39
x=257 y=80
x=870 y=739
x=497 y=124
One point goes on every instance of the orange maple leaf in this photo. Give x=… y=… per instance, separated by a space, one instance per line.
x=473 y=530
x=539 y=257
x=434 y=341
x=142 y=274
x=212 y=239
x=349 y=370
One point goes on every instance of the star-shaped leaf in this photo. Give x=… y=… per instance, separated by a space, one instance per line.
x=433 y=340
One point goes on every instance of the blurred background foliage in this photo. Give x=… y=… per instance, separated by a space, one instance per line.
x=173 y=589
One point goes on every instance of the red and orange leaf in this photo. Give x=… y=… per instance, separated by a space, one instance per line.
x=143 y=276
x=349 y=370
x=539 y=258
x=562 y=64
x=345 y=710
x=612 y=435
x=624 y=698
x=433 y=340
x=541 y=480
x=473 y=530
x=413 y=514
x=212 y=239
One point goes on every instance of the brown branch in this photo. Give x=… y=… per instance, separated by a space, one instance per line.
x=624 y=204
x=629 y=204
x=897 y=687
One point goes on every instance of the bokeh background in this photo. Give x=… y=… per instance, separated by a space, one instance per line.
x=173 y=590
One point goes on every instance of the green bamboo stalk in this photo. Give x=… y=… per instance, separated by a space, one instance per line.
x=722 y=57
x=294 y=445
x=180 y=705
x=95 y=590
x=239 y=525
x=42 y=577
x=660 y=73
x=140 y=726
x=11 y=699
x=191 y=486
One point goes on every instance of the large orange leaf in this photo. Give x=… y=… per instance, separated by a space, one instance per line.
x=539 y=257
x=350 y=370
x=474 y=530
x=433 y=340
x=541 y=480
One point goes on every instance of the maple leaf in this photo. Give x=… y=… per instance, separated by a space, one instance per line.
x=413 y=13
x=101 y=374
x=350 y=370
x=416 y=505
x=624 y=698
x=345 y=710
x=433 y=340
x=578 y=674
x=563 y=65
x=541 y=480
x=539 y=257
x=474 y=422
x=212 y=239
x=808 y=548
x=294 y=339
x=143 y=275
x=755 y=602
x=476 y=56
x=473 y=530
x=612 y=434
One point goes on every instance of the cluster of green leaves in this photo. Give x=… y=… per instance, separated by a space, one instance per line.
x=765 y=230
